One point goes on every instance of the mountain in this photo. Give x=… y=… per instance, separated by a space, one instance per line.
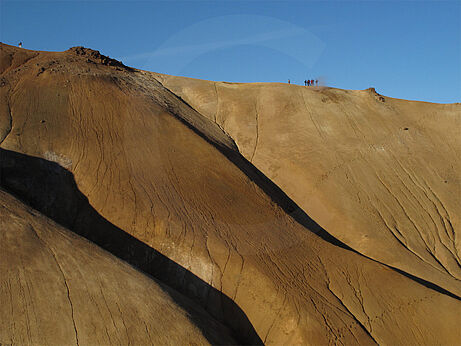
x=58 y=288
x=220 y=193
x=380 y=174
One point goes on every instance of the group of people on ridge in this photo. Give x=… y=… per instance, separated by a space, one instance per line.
x=311 y=82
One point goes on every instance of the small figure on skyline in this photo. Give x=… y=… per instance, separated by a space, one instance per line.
x=308 y=82
x=312 y=82
x=289 y=82
x=305 y=82
x=20 y=45
x=317 y=82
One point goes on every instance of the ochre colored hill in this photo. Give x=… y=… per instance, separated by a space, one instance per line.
x=156 y=177
x=380 y=174
x=59 y=289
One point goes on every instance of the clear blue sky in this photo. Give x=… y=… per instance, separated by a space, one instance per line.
x=405 y=49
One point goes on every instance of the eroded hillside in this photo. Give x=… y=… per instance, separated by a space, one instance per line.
x=380 y=174
x=57 y=288
x=154 y=174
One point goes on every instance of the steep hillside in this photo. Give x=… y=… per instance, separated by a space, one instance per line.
x=380 y=174
x=113 y=155
x=59 y=289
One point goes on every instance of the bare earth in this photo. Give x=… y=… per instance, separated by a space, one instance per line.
x=257 y=213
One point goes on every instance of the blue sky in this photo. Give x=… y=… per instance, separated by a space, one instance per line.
x=405 y=49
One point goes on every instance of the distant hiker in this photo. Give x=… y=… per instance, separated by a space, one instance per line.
x=20 y=45
x=308 y=82
x=289 y=82
x=312 y=82
x=305 y=82
x=317 y=82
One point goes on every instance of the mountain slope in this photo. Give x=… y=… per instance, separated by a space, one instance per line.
x=59 y=289
x=108 y=151
x=380 y=174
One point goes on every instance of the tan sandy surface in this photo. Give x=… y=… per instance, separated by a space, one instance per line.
x=380 y=174
x=147 y=165
x=59 y=289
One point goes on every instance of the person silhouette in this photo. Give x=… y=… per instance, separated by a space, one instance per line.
x=305 y=82
x=317 y=82
x=308 y=82
x=289 y=82
x=20 y=45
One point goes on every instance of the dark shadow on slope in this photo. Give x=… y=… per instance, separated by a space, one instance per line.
x=289 y=206
x=51 y=189
x=268 y=186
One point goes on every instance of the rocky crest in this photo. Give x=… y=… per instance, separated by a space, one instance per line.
x=96 y=57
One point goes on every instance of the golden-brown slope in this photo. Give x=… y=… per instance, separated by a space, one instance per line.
x=155 y=176
x=59 y=289
x=380 y=174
